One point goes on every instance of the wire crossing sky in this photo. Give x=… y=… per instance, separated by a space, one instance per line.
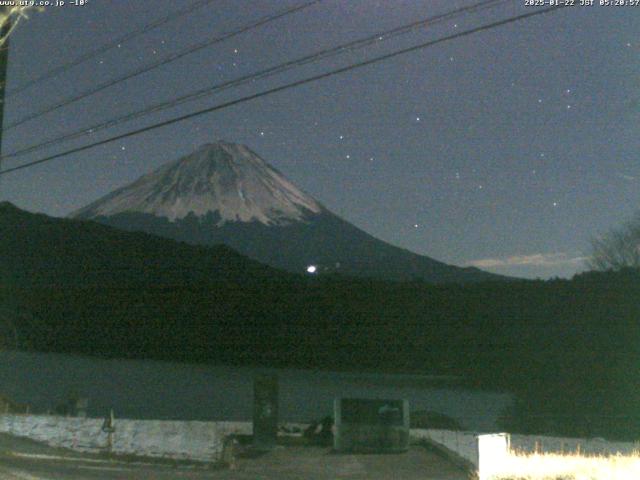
x=164 y=61
x=281 y=88
x=506 y=149
x=115 y=43
x=325 y=53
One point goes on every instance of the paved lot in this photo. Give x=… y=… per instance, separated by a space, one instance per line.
x=283 y=463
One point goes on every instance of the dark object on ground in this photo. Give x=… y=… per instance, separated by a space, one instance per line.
x=320 y=433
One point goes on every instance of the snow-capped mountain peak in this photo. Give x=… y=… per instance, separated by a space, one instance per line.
x=222 y=178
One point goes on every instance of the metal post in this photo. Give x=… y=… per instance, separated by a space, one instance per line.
x=4 y=62
x=265 y=411
x=8 y=313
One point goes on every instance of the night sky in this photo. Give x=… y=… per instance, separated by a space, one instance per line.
x=507 y=149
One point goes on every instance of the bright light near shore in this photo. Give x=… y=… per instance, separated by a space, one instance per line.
x=312 y=269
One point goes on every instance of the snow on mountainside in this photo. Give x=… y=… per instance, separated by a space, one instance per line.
x=225 y=194
x=223 y=178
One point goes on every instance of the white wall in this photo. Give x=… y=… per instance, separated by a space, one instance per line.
x=485 y=452
x=493 y=450
x=200 y=441
x=203 y=441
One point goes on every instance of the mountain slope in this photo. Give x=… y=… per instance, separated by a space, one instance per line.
x=81 y=287
x=39 y=250
x=224 y=178
x=225 y=193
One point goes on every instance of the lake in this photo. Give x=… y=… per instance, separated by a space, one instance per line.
x=166 y=390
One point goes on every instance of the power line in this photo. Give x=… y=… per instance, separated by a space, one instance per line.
x=314 y=57
x=160 y=63
x=54 y=72
x=287 y=86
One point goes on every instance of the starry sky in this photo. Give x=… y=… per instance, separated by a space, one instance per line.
x=507 y=149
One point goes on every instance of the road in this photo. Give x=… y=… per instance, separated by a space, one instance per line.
x=283 y=463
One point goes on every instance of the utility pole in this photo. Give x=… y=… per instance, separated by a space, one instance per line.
x=8 y=312
x=4 y=63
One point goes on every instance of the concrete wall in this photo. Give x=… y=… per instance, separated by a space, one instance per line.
x=203 y=441
x=484 y=453
x=200 y=441
x=493 y=451
x=461 y=447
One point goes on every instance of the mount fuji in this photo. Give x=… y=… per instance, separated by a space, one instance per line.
x=224 y=193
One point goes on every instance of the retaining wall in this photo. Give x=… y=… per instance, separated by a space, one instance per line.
x=199 y=441
x=204 y=441
x=484 y=453
x=460 y=447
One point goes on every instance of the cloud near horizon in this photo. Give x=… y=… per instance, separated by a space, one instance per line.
x=535 y=259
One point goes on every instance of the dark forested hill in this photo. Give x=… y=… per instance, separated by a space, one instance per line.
x=570 y=349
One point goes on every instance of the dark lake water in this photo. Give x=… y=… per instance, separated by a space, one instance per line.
x=165 y=390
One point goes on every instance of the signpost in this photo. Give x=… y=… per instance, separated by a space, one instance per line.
x=265 y=411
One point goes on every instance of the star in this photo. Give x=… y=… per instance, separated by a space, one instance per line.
x=417 y=119
x=371 y=159
x=555 y=204
x=348 y=156
x=539 y=100
x=341 y=137
x=568 y=107
x=235 y=50
x=262 y=134
x=123 y=148
x=415 y=225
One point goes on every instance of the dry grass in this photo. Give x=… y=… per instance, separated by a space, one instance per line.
x=548 y=466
